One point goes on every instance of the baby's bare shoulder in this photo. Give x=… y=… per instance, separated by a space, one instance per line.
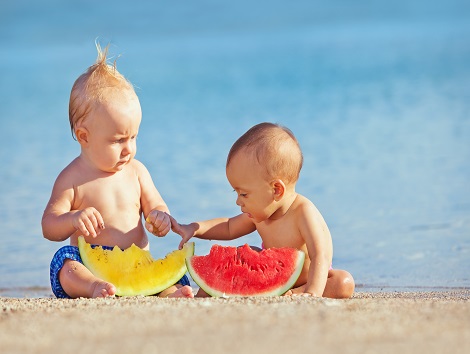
x=303 y=202
x=304 y=206
x=137 y=167
x=70 y=174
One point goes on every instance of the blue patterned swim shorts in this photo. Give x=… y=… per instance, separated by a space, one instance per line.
x=71 y=252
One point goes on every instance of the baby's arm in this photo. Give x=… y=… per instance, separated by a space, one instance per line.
x=156 y=212
x=317 y=237
x=59 y=222
x=214 y=229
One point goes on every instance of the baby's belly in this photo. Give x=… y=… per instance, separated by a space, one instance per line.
x=112 y=236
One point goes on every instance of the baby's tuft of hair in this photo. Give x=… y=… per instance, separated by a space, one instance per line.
x=273 y=146
x=100 y=83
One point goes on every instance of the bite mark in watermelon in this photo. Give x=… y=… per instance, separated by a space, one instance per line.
x=134 y=271
x=242 y=271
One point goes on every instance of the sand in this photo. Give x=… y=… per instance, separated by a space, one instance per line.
x=396 y=322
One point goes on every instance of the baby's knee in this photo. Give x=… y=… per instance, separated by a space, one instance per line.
x=347 y=285
x=69 y=267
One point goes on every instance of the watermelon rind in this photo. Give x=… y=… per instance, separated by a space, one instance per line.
x=282 y=289
x=133 y=271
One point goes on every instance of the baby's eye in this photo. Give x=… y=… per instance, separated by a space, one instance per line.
x=241 y=194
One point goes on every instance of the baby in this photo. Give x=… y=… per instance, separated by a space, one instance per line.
x=103 y=193
x=263 y=167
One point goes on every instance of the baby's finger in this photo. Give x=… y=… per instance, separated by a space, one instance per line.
x=152 y=216
x=153 y=223
x=159 y=221
x=80 y=226
x=184 y=239
x=99 y=219
x=92 y=224
x=165 y=225
x=86 y=227
x=88 y=224
x=149 y=226
x=174 y=225
x=150 y=223
x=163 y=230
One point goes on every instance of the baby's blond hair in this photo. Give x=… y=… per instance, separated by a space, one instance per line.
x=274 y=147
x=100 y=83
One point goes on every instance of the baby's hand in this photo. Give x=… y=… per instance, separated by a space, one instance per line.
x=88 y=221
x=185 y=231
x=158 y=223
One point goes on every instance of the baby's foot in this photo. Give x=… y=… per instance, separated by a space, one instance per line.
x=103 y=289
x=295 y=291
x=185 y=291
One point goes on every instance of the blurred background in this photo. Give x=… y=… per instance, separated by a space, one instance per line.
x=377 y=92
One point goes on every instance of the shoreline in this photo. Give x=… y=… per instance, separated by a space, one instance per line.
x=369 y=322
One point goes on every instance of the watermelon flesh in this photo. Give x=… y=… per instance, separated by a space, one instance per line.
x=242 y=271
x=134 y=271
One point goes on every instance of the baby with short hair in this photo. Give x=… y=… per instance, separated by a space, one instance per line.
x=103 y=193
x=263 y=167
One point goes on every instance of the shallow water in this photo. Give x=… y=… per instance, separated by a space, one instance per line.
x=378 y=96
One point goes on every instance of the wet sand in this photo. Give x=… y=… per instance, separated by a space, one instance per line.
x=370 y=322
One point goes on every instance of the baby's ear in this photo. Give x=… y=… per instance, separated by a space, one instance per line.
x=82 y=135
x=279 y=188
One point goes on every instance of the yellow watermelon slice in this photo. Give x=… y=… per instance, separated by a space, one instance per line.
x=134 y=271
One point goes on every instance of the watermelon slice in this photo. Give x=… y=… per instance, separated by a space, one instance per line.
x=134 y=271
x=241 y=271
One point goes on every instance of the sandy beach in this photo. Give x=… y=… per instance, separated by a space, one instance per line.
x=395 y=322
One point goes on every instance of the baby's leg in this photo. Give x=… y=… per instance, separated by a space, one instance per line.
x=340 y=284
x=177 y=290
x=78 y=281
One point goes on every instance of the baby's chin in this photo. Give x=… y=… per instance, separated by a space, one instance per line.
x=255 y=220
x=119 y=166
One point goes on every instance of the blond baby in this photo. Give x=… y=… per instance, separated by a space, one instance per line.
x=104 y=192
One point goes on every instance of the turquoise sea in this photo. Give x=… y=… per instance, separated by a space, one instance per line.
x=377 y=92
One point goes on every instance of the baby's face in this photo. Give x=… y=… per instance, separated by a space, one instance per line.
x=113 y=132
x=255 y=194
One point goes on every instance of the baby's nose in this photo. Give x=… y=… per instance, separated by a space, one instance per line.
x=128 y=148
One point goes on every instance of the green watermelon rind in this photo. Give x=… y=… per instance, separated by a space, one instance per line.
x=281 y=290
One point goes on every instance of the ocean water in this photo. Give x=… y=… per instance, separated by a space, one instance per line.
x=378 y=94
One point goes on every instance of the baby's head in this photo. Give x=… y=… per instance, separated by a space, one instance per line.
x=101 y=83
x=274 y=148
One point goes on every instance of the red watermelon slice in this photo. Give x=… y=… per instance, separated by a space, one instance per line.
x=241 y=271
